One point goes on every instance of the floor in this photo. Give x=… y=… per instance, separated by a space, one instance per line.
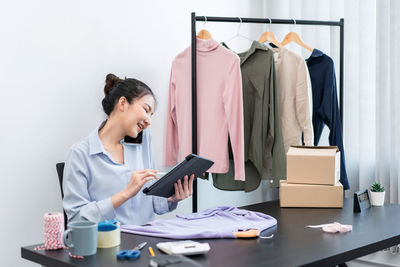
x=381 y=258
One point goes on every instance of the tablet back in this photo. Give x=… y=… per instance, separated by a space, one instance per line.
x=192 y=164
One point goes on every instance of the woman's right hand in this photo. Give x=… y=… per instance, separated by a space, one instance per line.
x=138 y=179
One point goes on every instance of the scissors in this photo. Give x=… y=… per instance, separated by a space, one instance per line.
x=131 y=254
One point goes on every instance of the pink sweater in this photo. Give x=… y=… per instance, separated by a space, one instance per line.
x=219 y=108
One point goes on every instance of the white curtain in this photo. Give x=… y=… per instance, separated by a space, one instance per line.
x=371 y=80
x=388 y=97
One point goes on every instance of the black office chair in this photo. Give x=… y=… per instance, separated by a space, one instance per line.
x=60 y=172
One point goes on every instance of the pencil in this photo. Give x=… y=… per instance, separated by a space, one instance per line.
x=151 y=251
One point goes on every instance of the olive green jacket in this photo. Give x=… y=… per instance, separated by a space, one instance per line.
x=263 y=144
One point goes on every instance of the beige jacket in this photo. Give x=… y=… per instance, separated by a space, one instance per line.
x=294 y=97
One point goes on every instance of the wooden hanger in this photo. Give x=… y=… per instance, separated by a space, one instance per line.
x=294 y=37
x=204 y=34
x=269 y=36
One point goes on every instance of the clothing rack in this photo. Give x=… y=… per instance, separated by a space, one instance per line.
x=195 y=18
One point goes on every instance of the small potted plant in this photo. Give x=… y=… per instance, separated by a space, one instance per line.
x=377 y=193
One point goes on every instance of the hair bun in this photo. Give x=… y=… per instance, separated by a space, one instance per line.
x=111 y=82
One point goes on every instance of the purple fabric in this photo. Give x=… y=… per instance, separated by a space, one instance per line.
x=219 y=222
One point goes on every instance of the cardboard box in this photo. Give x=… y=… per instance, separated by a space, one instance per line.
x=313 y=165
x=311 y=196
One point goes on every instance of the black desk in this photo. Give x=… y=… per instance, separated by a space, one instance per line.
x=293 y=244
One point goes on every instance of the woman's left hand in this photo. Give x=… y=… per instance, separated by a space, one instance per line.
x=182 y=191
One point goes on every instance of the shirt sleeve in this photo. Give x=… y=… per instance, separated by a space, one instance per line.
x=330 y=111
x=302 y=104
x=278 y=149
x=171 y=135
x=233 y=104
x=160 y=204
x=77 y=202
x=331 y=115
x=310 y=96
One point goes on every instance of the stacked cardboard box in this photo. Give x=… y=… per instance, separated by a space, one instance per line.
x=313 y=174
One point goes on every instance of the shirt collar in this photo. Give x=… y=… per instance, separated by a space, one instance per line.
x=245 y=55
x=254 y=46
x=281 y=50
x=206 y=45
x=315 y=53
x=95 y=145
x=280 y=53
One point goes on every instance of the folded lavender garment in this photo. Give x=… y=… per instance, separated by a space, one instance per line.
x=218 y=222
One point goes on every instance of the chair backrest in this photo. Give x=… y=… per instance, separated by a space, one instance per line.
x=60 y=172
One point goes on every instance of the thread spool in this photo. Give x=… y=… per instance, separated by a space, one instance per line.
x=53 y=231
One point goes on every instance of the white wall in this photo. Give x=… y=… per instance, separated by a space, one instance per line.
x=54 y=56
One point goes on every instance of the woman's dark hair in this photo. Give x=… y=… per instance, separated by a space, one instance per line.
x=130 y=88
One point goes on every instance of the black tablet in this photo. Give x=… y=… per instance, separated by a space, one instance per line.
x=192 y=164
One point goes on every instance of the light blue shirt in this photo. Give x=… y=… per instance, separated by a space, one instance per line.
x=92 y=177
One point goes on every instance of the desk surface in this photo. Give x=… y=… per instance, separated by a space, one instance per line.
x=292 y=245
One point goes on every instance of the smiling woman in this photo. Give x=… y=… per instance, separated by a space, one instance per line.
x=132 y=109
x=104 y=175
x=129 y=105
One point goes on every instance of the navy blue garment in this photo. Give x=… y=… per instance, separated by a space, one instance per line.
x=325 y=105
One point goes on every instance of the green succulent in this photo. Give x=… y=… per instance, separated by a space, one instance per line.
x=377 y=187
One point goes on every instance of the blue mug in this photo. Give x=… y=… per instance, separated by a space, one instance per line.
x=81 y=238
